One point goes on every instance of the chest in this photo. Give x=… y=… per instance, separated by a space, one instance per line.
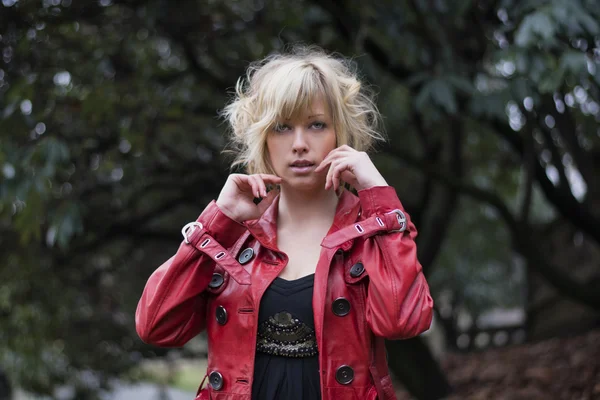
x=303 y=250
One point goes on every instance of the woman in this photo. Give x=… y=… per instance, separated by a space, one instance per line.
x=299 y=285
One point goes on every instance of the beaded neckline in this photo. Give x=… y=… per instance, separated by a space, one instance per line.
x=284 y=335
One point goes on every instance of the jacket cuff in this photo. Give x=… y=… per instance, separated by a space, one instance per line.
x=223 y=229
x=379 y=200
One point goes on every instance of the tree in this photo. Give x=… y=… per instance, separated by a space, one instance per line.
x=110 y=143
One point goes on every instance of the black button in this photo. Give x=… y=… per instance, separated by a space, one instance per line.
x=215 y=380
x=341 y=307
x=357 y=270
x=339 y=252
x=344 y=374
x=216 y=281
x=221 y=315
x=246 y=256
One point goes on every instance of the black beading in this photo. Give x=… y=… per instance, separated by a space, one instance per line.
x=284 y=335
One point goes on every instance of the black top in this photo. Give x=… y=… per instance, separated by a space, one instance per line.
x=287 y=360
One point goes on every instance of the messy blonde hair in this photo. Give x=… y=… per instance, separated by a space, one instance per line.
x=281 y=86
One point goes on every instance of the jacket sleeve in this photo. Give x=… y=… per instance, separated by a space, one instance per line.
x=399 y=304
x=172 y=309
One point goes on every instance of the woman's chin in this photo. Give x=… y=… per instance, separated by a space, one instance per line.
x=304 y=183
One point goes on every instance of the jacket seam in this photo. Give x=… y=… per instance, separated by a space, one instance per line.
x=184 y=326
x=420 y=304
x=388 y=264
x=168 y=286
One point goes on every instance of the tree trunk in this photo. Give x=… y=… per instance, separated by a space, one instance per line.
x=5 y=388
x=412 y=363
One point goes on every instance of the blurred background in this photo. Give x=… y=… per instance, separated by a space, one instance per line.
x=110 y=142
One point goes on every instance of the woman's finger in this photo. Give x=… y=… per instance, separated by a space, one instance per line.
x=329 y=178
x=327 y=160
x=268 y=179
x=243 y=183
x=261 y=186
x=347 y=148
x=322 y=165
x=337 y=173
x=333 y=155
x=254 y=185
x=349 y=177
x=332 y=172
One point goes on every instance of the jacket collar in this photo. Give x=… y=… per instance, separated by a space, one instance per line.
x=264 y=229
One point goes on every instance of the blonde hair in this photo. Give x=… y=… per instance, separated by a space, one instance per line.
x=283 y=85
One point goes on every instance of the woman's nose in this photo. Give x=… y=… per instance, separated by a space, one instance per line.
x=300 y=144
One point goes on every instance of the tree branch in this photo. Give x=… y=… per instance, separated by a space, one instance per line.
x=432 y=152
x=529 y=161
x=563 y=182
x=381 y=58
x=430 y=247
x=521 y=234
x=567 y=128
x=560 y=197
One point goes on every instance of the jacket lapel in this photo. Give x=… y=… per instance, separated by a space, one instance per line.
x=346 y=213
x=264 y=230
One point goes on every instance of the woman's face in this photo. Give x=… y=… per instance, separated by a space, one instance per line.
x=297 y=146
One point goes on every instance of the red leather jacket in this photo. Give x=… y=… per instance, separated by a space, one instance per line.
x=368 y=286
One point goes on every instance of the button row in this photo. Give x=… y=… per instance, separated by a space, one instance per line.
x=340 y=307
x=344 y=375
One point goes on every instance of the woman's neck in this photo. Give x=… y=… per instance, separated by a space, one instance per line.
x=297 y=208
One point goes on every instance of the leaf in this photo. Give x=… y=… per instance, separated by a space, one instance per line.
x=423 y=97
x=552 y=80
x=597 y=76
x=461 y=83
x=573 y=61
x=584 y=18
x=443 y=95
x=439 y=92
x=66 y=223
x=534 y=26
x=26 y=221
x=462 y=7
x=55 y=150
x=590 y=24
x=416 y=79
x=490 y=105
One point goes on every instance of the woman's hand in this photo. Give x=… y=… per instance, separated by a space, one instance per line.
x=236 y=199
x=351 y=166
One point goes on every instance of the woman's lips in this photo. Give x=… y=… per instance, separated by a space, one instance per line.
x=302 y=169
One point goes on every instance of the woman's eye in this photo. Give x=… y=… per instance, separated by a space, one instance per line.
x=281 y=127
x=318 y=125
